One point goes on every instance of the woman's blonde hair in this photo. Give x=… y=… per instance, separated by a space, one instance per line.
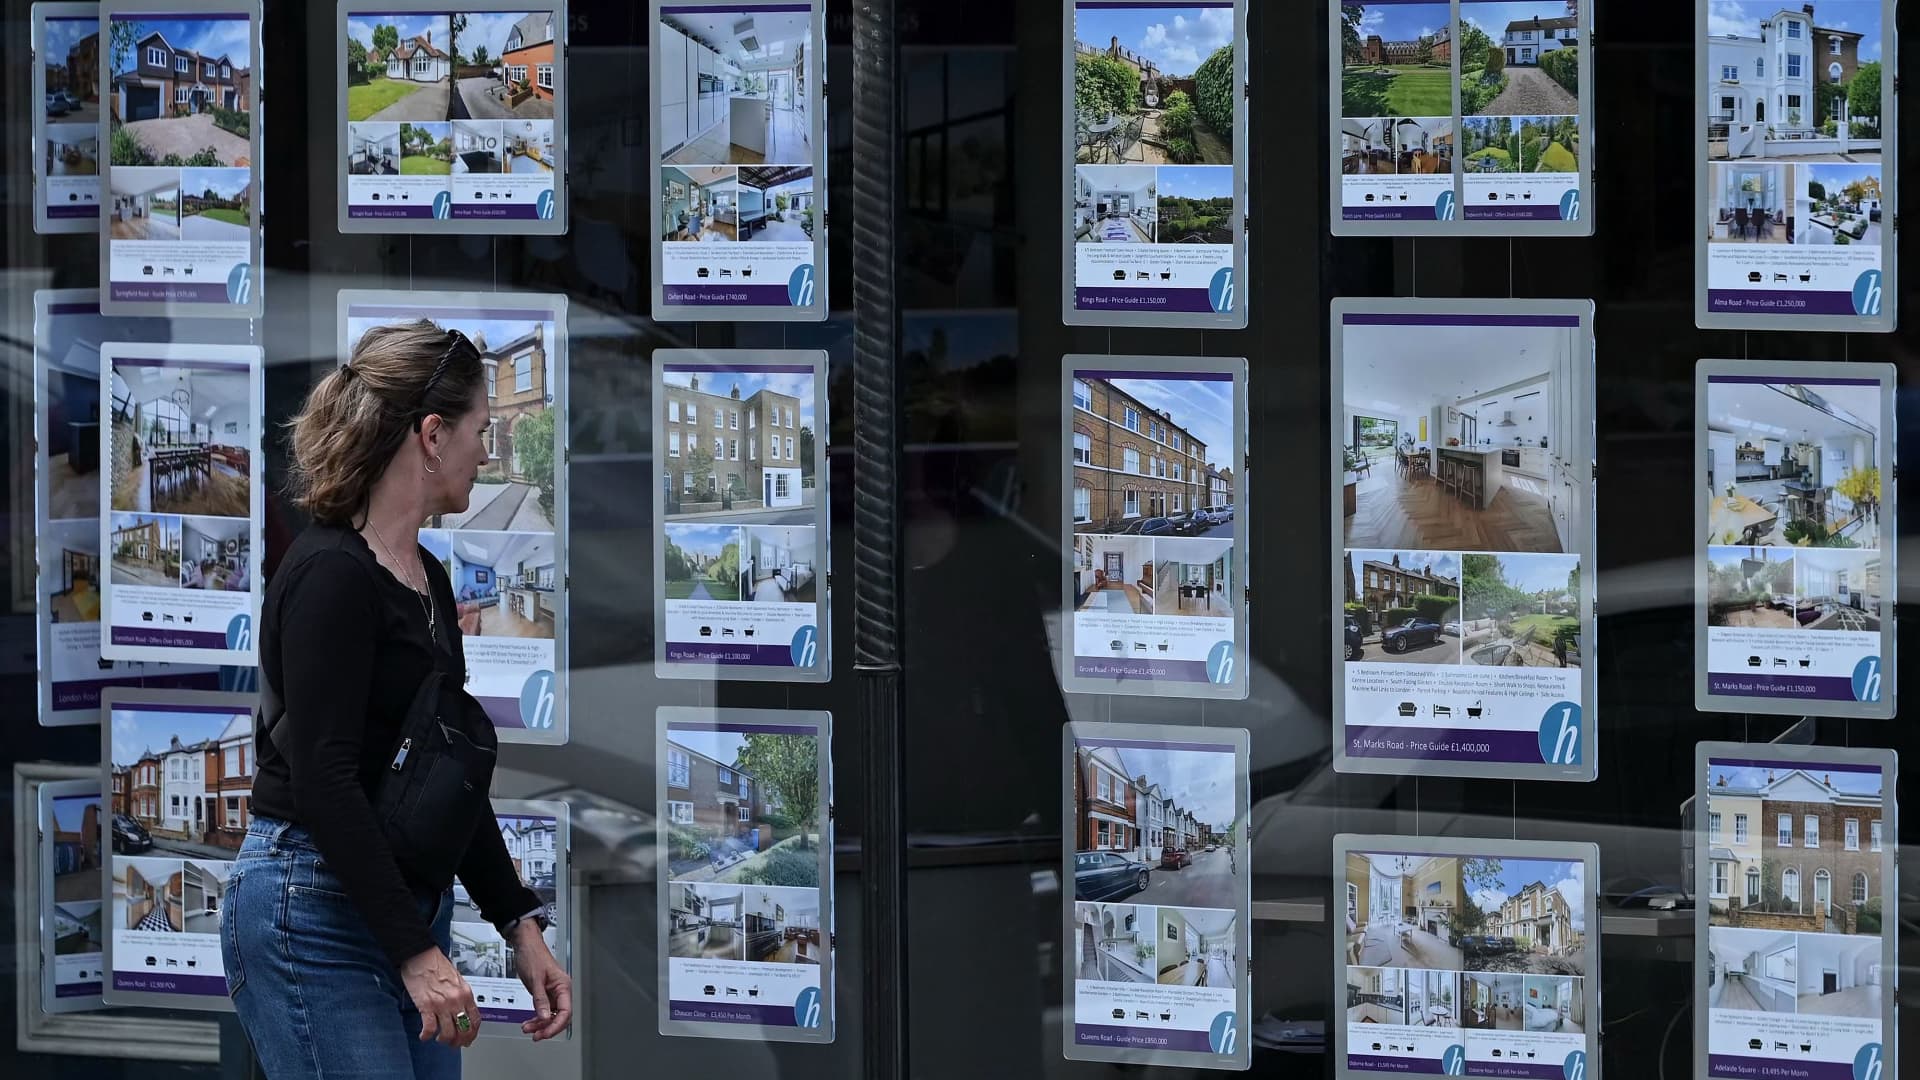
x=358 y=416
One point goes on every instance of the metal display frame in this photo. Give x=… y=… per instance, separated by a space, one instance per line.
x=43 y=220
x=48 y=793
x=563 y=906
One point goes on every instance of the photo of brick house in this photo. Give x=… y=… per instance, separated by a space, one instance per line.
x=1798 y=849
x=737 y=446
x=727 y=822
x=191 y=777
x=1135 y=457
x=179 y=91
x=504 y=65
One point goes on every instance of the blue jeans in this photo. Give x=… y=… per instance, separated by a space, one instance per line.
x=318 y=998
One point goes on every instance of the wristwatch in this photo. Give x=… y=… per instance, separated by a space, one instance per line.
x=543 y=915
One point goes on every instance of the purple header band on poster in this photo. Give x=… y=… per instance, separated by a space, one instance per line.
x=67 y=213
x=1155 y=744
x=147 y=361
x=73 y=990
x=1097 y=667
x=1117 y=1037
x=1109 y=5
x=1823 y=766
x=185 y=985
x=744 y=369
x=743 y=729
x=1806 y=687
x=725 y=295
x=1522 y=1070
x=1109 y=299
x=171 y=639
x=191 y=16
x=1728 y=1065
x=472 y=212
x=134 y=291
x=1786 y=379
x=359 y=210
x=85 y=693
x=1388 y=213
x=1427 y=1066
x=168 y=707
x=1171 y=376
x=74 y=309
x=378 y=311
x=1763 y=302
x=1442 y=744
x=717 y=1013
x=1377 y=318
x=1531 y=212
x=687 y=652
x=504 y=712
x=725 y=8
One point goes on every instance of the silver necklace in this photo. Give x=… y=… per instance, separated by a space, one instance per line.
x=426 y=601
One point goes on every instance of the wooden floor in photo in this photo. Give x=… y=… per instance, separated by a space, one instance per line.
x=1395 y=511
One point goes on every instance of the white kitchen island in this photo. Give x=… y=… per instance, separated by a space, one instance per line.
x=747 y=116
x=1493 y=475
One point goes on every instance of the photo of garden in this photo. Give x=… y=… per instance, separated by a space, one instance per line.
x=1522 y=144
x=1397 y=60
x=1195 y=204
x=1750 y=587
x=1153 y=86
x=1844 y=201
x=426 y=149
x=1521 y=610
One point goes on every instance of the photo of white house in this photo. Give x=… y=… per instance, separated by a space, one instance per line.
x=1115 y=204
x=398 y=66
x=1519 y=57
x=1765 y=67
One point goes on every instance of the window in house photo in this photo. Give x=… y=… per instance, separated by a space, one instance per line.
x=1853 y=834
x=233 y=813
x=1082 y=395
x=789 y=449
x=680 y=813
x=1790 y=885
x=1786 y=830
x=1130 y=419
x=1082 y=503
x=1859 y=888
x=1130 y=460
x=746 y=815
x=1812 y=826
x=673 y=444
x=719 y=421
x=544 y=76
x=1874 y=831
x=726 y=776
x=523 y=373
x=156 y=58
x=1713 y=826
x=1082 y=448
x=1739 y=828
x=679 y=768
x=1719 y=879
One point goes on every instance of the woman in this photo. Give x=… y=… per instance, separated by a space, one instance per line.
x=336 y=953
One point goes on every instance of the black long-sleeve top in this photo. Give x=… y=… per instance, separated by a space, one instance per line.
x=344 y=644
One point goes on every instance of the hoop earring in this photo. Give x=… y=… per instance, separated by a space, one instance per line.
x=433 y=468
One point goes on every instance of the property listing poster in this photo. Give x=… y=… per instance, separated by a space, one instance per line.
x=452 y=118
x=504 y=552
x=536 y=837
x=181 y=126
x=1462 y=509
x=179 y=765
x=1797 y=561
x=1796 y=137
x=182 y=501
x=70 y=917
x=1462 y=117
x=1156 y=117
x=741 y=565
x=66 y=135
x=1795 y=954
x=1466 y=958
x=1157 y=934
x=68 y=332
x=1156 y=526
x=746 y=887
x=739 y=140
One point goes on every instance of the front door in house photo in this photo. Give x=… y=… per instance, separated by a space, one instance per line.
x=1116 y=566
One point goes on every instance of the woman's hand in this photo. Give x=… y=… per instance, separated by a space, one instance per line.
x=441 y=994
x=550 y=985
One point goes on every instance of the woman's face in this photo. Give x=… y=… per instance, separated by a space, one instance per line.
x=463 y=450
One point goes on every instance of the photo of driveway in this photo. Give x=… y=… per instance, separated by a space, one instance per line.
x=427 y=102
x=1530 y=92
x=185 y=136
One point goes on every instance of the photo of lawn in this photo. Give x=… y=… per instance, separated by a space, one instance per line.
x=1522 y=144
x=215 y=204
x=702 y=562
x=1397 y=60
x=426 y=149
x=1195 y=204
x=397 y=66
x=1521 y=610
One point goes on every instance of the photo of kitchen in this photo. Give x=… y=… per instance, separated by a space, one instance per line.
x=705 y=921
x=504 y=584
x=1793 y=464
x=203 y=888
x=699 y=203
x=181 y=438
x=1460 y=437
x=71 y=398
x=1752 y=970
x=1751 y=586
x=733 y=86
x=1376 y=996
x=146 y=894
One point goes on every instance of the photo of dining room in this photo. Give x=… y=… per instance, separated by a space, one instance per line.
x=1752 y=587
x=504 y=584
x=1433 y=998
x=1752 y=203
x=1194 y=577
x=1366 y=146
x=144 y=549
x=1492 y=1001
x=699 y=203
x=70 y=571
x=1793 y=464
x=180 y=438
x=1114 y=204
x=1839 y=589
x=216 y=554
x=779 y=564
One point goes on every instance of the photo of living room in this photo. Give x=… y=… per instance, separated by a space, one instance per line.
x=1556 y=1003
x=70 y=571
x=216 y=554
x=1793 y=465
x=72 y=151
x=146 y=894
x=1194 y=577
x=782 y=926
x=373 y=149
x=203 y=888
x=181 y=438
x=1753 y=203
x=1520 y=610
x=1492 y=1001
x=697 y=203
x=1839 y=589
x=1751 y=587
x=1197 y=947
x=504 y=584
x=145 y=550
x=1752 y=970
x=776 y=204
x=1153 y=86
x=779 y=564
x=1113 y=574
x=1376 y=996
x=1115 y=204
x=146 y=203
x=1400 y=911
x=743 y=807
x=1402 y=607
x=1840 y=976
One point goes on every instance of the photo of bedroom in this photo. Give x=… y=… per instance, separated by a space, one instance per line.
x=216 y=554
x=373 y=149
x=698 y=203
x=1556 y=1003
x=181 y=438
x=70 y=571
x=504 y=584
x=779 y=564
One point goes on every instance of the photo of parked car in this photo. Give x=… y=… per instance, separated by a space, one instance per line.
x=1100 y=875
x=1413 y=632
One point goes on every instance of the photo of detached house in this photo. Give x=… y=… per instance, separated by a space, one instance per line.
x=743 y=807
x=503 y=65
x=398 y=67
x=1840 y=204
x=70 y=55
x=1153 y=86
x=782 y=926
x=1798 y=849
x=1396 y=60
x=1839 y=590
x=144 y=549
x=1752 y=970
x=1401 y=911
x=1492 y=1001
x=181 y=439
x=1524 y=916
x=1113 y=943
x=1794 y=82
x=180 y=91
x=698 y=203
x=1519 y=58
x=504 y=583
x=1751 y=587
x=706 y=922
x=1376 y=995
x=1793 y=465
x=1115 y=204
x=146 y=895
x=739 y=446
x=1402 y=607
x=146 y=204
x=1520 y=610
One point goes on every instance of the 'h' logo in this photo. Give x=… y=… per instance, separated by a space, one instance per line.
x=1866 y=1063
x=537 y=701
x=240 y=633
x=1867 y=293
x=1560 y=734
x=1866 y=679
x=1454 y=1061
x=800 y=287
x=1576 y=1066
x=1224 y=1034
x=805 y=649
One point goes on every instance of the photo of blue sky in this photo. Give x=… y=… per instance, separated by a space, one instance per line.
x=1403 y=22
x=138 y=730
x=224 y=183
x=1444 y=563
x=1196 y=181
x=750 y=381
x=1743 y=17
x=1534 y=573
x=433 y=27
x=1836 y=177
x=1846 y=779
x=1494 y=17
x=63 y=34
x=1514 y=875
x=70 y=811
x=210 y=36
x=1198 y=781
x=1204 y=408
x=1176 y=37
x=705 y=540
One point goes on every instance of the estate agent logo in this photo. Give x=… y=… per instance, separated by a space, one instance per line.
x=1570 y=205
x=1576 y=1066
x=1220 y=291
x=806 y=1008
x=1223 y=1034
x=800 y=286
x=1560 y=734
x=1867 y=293
x=1443 y=207
x=537 y=701
x=442 y=205
x=806 y=648
x=1866 y=679
x=1220 y=663
x=1454 y=1061
x=1866 y=1063
x=240 y=632
x=240 y=284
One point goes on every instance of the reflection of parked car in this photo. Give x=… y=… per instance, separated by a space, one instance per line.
x=129 y=836
x=1174 y=858
x=1098 y=875
x=1410 y=633
x=1355 y=639
x=57 y=105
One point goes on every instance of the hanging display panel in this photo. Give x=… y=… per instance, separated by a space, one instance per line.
x=1796 y=165
x=180 y=764
x=1797 y=560
x=1462 y=509
x=738 y=138
x=1462 y=118
x=741 y=567
x=180 y=116
x=72 y=924
x=1155 y=526
x=1154 y=830
x=505 y=553
x=746 y=874
x=1466 y=957
x=1795 y=951
x=182 y=497
x=68 y=330
x=1153 y=106
x=538 y=842
x=452 y=117
x=66 y=128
